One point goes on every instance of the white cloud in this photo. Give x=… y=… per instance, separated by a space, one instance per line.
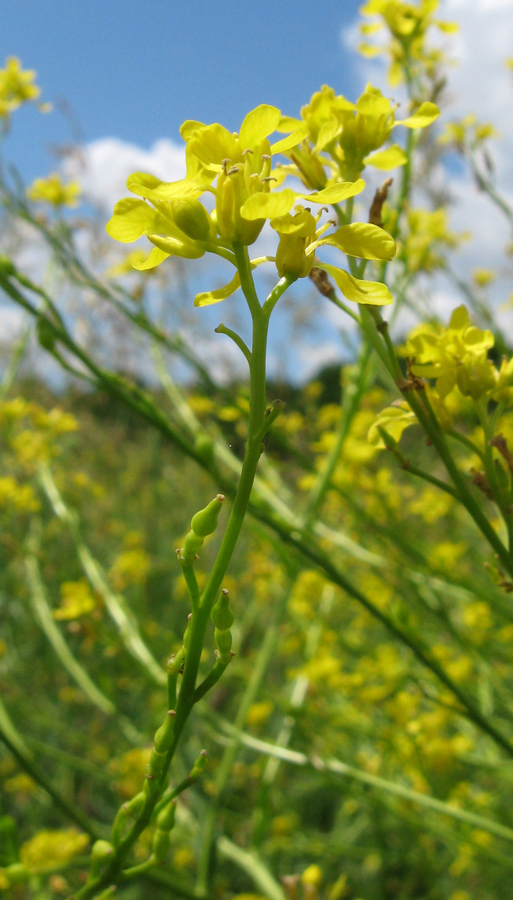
x=103 y=166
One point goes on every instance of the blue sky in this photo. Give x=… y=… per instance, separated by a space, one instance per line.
x=136 y=71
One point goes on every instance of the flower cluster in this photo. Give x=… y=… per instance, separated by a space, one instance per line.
x=345 y=136
x=407 y=25
x=236 y=169
x=17 y=87
x=54 y=191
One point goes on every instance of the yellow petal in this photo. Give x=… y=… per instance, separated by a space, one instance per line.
x=387 y=159
x=373 y=293
x=363 y=240
x=212 y=144
x=143 y=179
x=132 y=218
x=335 y=192
x=369 y=50
x=268 y=206
x=258 y=124
x=328 y=131
x=291 y=141
x=154 y=259
x=424 y=115
x=189 y=127
x=209 y=297
x=288 y=123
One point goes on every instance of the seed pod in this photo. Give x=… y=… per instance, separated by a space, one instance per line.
x=166 y=817
x=192 y=545
x=101 y=850
x=223 y=641
x=135 y=805
x=164 y=735
x=199 y=766
x=204 y=522
x=156 y=763
x=222 y=613
x=160 y=845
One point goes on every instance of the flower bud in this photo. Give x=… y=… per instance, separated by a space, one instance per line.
x=192 y=218
x=296 y=233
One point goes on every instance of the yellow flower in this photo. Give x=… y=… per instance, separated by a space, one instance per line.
x=50 y=849
x=454 y=356
x=17 y=87
x=54 y=191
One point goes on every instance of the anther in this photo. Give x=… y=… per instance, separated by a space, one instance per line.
x=233 y=170
x=268 y=178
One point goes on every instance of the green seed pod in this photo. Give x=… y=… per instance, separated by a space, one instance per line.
x=156 y=763
x=101 y=850
x=199 y=766
x=160 y=845
x=191 y=218
x=164 y=735
x=135 y=806
x=204 y=522
x=191 y=547
x=166 y=818
x=223 y=641
x=222 y=613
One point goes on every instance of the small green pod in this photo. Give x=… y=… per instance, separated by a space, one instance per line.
x=199 y=766
x=222 y=613
x=191 y=547
x=223 y=641
x=204 y=522
x=157 y=762
x=101 y=850
x=160 y=845
x=135 y=805
x=166 y=818
x=164 y=735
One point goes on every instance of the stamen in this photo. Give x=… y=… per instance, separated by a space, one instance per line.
x=268 y=178
x=233 y=170
x=225 y=163
x=247 y=150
